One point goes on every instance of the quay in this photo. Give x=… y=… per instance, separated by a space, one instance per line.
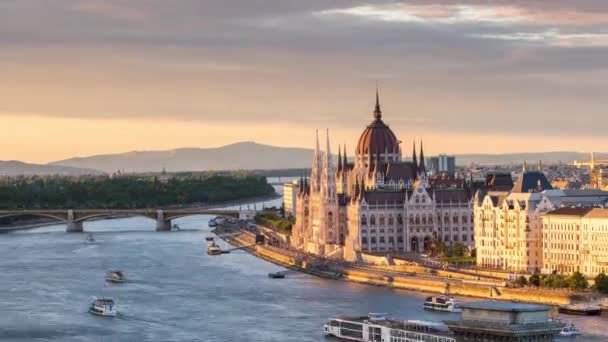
x=446 y=283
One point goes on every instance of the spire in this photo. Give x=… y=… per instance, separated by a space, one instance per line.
x=345 y=160
x=414 y=159
x=339 y=158
x=377 y=111
x=422 y=167
x=540 y=166
x=525 y=167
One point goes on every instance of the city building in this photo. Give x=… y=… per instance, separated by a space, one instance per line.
x=290 y=197
x=442 y=164
x=380 y=202
x=508 y=224
x=576 y=239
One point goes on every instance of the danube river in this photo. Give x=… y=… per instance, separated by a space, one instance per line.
x=176 y=292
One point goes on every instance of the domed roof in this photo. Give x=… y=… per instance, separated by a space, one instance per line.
x=377 y=137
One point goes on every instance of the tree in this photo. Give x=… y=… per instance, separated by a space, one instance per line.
x=458 y=250
x=534 y=280
x=577 y=281
x=601 y=283
x=521 y=281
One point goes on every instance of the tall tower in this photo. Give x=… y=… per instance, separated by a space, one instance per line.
x=422 y=166
x=315 y=172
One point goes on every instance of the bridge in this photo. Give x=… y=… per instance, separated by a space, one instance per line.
x=74 y=218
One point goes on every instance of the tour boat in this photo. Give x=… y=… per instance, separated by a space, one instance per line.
x=376 y=327
x=213 y=249
x=569 y=331
x=580 y=309
x=103 y=307
x=115 y=277
x=441 y=303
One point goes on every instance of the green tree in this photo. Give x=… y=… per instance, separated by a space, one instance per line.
x=534 y=280
x=521 y=281
x=601 y=283
x=577 y=281
x=458 y=250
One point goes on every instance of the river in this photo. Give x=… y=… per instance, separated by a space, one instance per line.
x=176 y=292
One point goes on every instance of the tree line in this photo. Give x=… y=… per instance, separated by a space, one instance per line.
x=105 y=192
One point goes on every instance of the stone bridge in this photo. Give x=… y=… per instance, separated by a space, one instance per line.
x=75 y=217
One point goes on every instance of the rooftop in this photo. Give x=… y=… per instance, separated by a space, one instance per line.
x=504 y=306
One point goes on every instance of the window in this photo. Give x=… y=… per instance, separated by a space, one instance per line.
x=399 y=219
x=363 y=220
x=382 y=220
x=400 y=239
x=382 y=239
x=455 y=237
x=391 y=240
x=390 y=220
x=364 y=240
x=372 y=220
x=455 y=219
x=373 y=239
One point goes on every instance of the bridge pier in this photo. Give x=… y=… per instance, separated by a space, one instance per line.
x=162 y=225
x=73 y=226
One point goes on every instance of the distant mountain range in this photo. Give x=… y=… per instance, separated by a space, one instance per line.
x=16 y=168
x=240 y=156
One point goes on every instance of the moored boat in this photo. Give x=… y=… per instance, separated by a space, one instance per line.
x=276 y=275
x=103 y=307
x=580 y=309
x=213 y=249
x=441 y=303
x=213 y=223
x=376 y=327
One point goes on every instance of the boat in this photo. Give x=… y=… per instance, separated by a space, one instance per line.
x=90 y=239
x=376 y=327
x=441 y=303
x=580 y=309
x=103 y=307
x=569 y=330
x=276 y=275
x=115 y=277
x=213 y=249
x=213 y=223
x=209 y=238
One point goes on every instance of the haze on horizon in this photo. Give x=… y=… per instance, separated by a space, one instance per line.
x=84 y=77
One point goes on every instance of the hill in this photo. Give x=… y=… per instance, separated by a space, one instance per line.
x=15 y=168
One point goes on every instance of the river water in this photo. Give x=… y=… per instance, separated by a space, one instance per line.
x=176 y=292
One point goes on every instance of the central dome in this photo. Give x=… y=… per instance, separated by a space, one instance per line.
x=377 y=138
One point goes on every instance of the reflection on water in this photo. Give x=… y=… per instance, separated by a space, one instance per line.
x=175 y=292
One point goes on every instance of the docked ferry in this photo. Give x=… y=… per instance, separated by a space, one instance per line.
x=441 y=303
x=377 y=328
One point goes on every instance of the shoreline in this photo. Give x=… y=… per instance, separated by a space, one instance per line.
x=250 y=200
x=411 y=282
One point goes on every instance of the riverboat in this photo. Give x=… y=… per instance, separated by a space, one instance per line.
x=213 y=223
x=213 y=249
x=103 y=307
x=569 y=330
x=580 y=309
x=441 y=303
x=115 y=277
x=376 y=327
x=276 y=275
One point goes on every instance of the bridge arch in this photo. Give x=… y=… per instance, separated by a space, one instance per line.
x=57 y=217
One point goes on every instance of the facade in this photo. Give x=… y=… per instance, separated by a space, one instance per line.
x=290 y=197
x=379 y=202
x=443 y=164
x=509 y=226
x=576 y=239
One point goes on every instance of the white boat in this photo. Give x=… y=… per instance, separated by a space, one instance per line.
x=103 y=307
x=441 y=303
x=376 y=327
x=213 y=223
x=115 y=277
x=569 y=331
x=213 y=249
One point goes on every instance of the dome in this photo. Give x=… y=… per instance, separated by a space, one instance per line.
x=377 y=137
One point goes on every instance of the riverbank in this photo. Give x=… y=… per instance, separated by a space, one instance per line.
x=406 y=281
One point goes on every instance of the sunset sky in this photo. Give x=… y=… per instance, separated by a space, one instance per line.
x=85 y=77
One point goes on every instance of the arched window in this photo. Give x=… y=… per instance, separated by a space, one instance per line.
x=446 y=219
x=417 y=199
x=417 y=219
x=390 y=220
x=372 y=220
x=411 y=219
x=455 y=219
x=363 y=220
x=399 y=219
x=431 y=219
x=423 y=199
x=423 y=219
x=381 y=220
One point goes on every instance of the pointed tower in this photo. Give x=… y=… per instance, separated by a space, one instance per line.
x=339 y=159
x=422 y=166
x=377 y=111
x=315 y=172
x=328 y=174
x=414 y=159
x=345 y=159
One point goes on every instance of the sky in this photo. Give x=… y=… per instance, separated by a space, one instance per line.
x=85 y=77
